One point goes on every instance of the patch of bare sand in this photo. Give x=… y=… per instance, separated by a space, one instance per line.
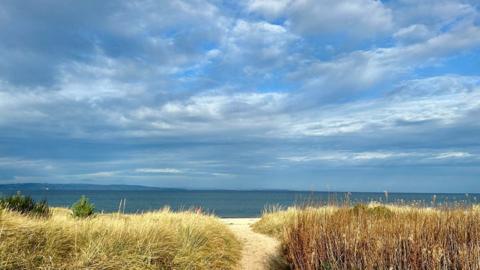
x=257 y=248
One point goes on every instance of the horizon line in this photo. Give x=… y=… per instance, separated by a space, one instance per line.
x=238 y=189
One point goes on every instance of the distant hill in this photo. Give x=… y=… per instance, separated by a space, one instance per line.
x=38 y=186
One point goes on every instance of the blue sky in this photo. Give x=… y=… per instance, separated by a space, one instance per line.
x=354 y=95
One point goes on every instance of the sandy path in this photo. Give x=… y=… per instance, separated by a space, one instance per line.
x=257 y=248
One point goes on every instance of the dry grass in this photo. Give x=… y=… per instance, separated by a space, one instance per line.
x=157 y=240
x=376 y=237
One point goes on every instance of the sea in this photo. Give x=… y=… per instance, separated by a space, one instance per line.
x=227 y=203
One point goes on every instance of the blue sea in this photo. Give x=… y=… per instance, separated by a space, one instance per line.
x=232 y=203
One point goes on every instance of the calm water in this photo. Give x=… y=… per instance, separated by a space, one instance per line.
x=230 y=203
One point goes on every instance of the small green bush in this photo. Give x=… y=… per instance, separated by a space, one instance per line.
x=381 y=211
x=25 y=205
x=360 y=208
x=83 y=208
x=377 y=211
x=326 y=266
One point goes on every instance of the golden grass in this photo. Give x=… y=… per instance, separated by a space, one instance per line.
x=391 y=237
x=156 y=240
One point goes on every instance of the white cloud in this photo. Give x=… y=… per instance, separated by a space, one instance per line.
x=360 y=18
x=361 y=70
x=268 y=8
x=444 y=99
x=413 y=33
x=376 y=155
x=6 y=162
x=217 y=174
x=346 y=156
x=437 y=46
x=454 y=155
x=212 y=112
x=99 y=174
x=255 y=48
x=342 y=157
x=159 y=170
x=436 y=86
x=356 y=18
x=434 y=13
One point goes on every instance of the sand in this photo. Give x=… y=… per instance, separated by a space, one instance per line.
x=257 y=248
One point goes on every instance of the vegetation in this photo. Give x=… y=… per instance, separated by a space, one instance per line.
x=374 y=210
x=376 y=237
x=155 y=240
x=83 y=208
x=274 y=220
x=25 y=205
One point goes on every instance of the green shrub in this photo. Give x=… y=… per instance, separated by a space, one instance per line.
x=360 y=209
x=325 y=266
x=381 y=211
x=25 y=205
x=377 y=211
x=83 y=208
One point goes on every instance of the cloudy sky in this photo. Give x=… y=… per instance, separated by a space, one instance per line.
x=354 y=95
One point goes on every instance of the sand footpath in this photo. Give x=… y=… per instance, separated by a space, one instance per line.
x=257 y=248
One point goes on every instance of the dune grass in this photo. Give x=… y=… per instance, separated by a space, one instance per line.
x=375 y=237
x=156 y=240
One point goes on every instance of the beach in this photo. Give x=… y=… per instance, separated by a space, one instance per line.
x=257 y=248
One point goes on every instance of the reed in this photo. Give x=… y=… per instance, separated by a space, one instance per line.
x=376 y=237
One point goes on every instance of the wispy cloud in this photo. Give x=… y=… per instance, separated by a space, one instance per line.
x=449 y=155
x=99 y=174
x=159 y=170
x=367 y=157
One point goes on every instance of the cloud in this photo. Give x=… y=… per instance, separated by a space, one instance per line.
x=344 y=156
x=371 y=158
x=213 y=112
x=223 y=174
x=436 y=86
x=356 y=19
x=43 y=43
x=268 y=8
x=413 y=33
x=159 y=170
x=449 y=155
x=436 y=101
x=363 y=70
x=256 y=51
x=433 y=13
x=239 y=95
x=100 y=174
x=440 y=101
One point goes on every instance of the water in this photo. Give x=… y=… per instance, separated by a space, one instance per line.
x=230 y=203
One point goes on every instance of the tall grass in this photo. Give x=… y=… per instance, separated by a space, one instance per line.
x=376 y=237
x=157 y=240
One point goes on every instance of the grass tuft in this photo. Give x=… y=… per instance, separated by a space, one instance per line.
x=155 y=240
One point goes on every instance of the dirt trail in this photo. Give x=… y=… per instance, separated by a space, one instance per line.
x=257 y=248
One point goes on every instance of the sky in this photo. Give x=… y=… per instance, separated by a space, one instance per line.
x=354 y=95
